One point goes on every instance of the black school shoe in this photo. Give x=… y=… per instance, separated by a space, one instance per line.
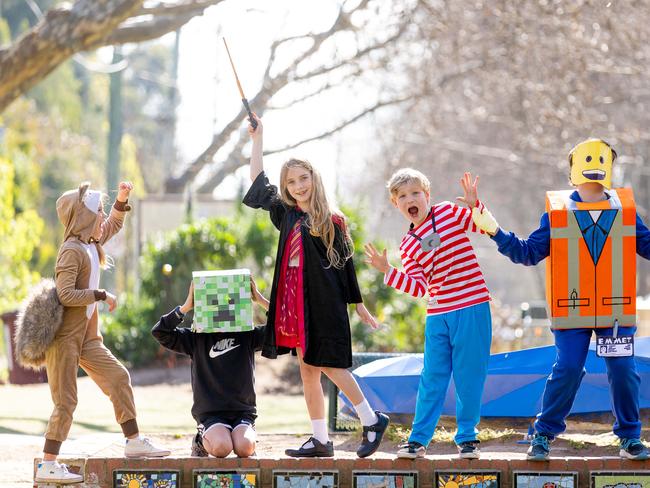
x=318 y=449
x=368 y=448
x=197 y=445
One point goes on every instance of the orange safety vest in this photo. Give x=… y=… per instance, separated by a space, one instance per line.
x=591 y=272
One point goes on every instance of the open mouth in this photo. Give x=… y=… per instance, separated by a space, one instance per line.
x=413 y=211
x=594 y=174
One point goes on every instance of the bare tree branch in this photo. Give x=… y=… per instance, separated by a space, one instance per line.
x=360 y=54
x=178 y=8
x=86 y=25
x=327 y=86
x=342 y=125
x=148 y=29
x=63 y=32
x=236 y=159
x=271 y=84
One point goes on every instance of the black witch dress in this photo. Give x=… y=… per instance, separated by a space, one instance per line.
x=327 y=290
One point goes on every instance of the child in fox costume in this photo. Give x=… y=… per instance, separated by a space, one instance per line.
x=78 y=341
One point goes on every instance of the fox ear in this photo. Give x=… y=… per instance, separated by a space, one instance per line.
x=83 y=187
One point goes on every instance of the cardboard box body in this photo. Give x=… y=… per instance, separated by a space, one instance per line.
x=222 y=301
x=591 y=271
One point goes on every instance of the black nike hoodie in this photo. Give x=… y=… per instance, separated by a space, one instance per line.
x=223 y=366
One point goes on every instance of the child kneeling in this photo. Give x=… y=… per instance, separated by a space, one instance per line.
x=223 y=369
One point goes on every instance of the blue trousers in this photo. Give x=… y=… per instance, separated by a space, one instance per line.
x=455 y=343
x=562 y=384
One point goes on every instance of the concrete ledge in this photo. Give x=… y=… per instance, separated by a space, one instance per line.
x=98 y=471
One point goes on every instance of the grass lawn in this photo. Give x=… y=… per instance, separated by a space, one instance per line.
x=161 y=409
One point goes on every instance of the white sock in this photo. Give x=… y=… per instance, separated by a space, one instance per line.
x=49 y=462
x=366 y=414
x=320 y=430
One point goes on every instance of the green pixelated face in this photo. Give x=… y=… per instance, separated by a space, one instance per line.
x=222 y=303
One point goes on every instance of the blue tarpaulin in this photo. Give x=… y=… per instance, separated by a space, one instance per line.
x=513 y=388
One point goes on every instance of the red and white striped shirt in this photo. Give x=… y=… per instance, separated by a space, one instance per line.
x=450 y=273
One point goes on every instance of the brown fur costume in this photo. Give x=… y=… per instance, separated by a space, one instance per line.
x=79 y=342
x=38 y=322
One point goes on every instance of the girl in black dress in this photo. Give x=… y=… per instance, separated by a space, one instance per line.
x=313 y=283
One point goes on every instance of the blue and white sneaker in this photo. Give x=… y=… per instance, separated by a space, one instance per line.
x=633 y=449
x=539 y=449
x=469 y=450
x=411 y=450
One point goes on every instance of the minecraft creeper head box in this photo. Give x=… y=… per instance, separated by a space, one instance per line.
x=222 y=301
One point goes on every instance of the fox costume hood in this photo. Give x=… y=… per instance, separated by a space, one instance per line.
x=77 y=211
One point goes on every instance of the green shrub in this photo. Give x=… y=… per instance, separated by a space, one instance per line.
x=203 y=245
x=245 y=240
x=127 y=332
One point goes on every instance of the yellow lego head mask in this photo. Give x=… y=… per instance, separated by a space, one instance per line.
x=591 y=162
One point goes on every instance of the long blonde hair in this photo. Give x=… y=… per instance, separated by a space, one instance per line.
x=321 y=214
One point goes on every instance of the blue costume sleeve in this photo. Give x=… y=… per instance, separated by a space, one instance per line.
x=529 y=251
x=642 y=238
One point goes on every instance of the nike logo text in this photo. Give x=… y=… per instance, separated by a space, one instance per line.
x=222 y=347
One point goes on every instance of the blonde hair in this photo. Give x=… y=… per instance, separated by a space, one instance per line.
x=321 y=213
x=405 y=176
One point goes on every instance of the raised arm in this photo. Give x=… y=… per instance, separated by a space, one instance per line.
x=115 y=220
x=257 y=297
x=257 y=164
x=167 y=332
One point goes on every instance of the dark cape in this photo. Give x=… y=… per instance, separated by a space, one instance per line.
x=327 y=290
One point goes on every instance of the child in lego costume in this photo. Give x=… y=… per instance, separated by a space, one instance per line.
x=591 y=237
x=313 y=283
x=223 y=379
x=78 y=341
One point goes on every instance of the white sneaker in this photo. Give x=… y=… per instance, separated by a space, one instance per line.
x=55 y=473
x=142 y=447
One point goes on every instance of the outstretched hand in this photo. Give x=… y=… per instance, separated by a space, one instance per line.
x=376 y=260
x=470 y=190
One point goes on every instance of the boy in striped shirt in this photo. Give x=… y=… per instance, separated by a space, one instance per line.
x=438 y=259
